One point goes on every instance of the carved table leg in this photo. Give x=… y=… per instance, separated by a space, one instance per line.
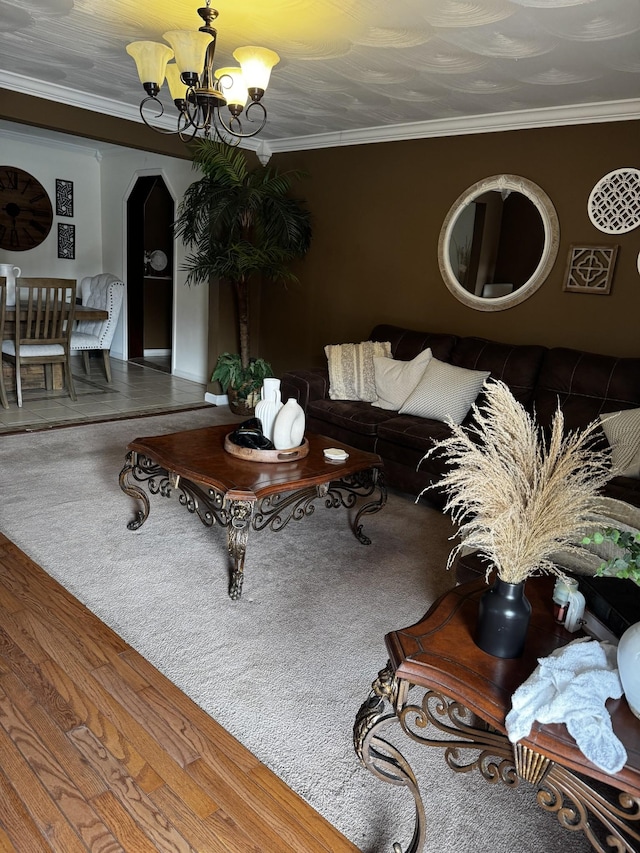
x=382 y=758
x=377 y=482
x=239 y=513
x=131 y=467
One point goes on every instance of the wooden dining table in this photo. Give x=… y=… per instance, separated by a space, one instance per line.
x=82 y=312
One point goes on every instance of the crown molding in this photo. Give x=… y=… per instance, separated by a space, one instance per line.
x=625 y=110
x=71 y=97
x=628 y=110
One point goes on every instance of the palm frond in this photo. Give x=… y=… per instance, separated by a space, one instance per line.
x=220 y=161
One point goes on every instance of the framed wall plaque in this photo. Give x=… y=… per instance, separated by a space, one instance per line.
x=590 y=269
x=66 y=241
x=64 y=198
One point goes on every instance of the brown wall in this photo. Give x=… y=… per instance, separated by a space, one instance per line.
x=377 y=212
x=63 y=118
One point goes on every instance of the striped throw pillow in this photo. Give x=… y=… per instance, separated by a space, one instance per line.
x=623 y=434
x=351 y=373
x=445 y=392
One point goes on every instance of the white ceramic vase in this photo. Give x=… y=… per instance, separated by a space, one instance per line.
x=11 y=273
x=629 y=666
x=269 y=405
x=288 y=429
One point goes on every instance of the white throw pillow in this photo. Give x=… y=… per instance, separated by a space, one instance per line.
x=351 y=374
x=395 y=380
x=623 y=434
x=445 y=392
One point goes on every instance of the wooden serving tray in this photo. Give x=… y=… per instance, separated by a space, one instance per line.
x=251 y=455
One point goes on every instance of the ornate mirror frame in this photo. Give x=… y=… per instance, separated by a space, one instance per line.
x=551 y=225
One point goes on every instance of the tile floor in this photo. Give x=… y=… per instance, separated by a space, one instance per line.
x=134 y=390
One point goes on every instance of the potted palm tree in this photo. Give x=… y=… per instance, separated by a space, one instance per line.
x=241 y=223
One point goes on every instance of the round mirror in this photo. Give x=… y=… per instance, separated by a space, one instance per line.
x=498 y=242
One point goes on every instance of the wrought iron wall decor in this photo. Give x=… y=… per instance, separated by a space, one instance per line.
x=614 y=202
x=66 y=241
x=590 y=269
x=64 y=198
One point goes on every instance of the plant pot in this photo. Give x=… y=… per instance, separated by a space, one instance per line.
x=240 y=406
x=503 y=620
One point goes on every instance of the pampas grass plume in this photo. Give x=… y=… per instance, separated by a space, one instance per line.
x=517 y=497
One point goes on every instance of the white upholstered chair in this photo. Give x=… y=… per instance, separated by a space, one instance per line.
x=104 y=291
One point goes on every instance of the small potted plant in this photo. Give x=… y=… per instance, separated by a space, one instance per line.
x=242 y=383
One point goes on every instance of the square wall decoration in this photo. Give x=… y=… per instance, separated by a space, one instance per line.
x=590 y=269
x=66 y=241
x=64 y=198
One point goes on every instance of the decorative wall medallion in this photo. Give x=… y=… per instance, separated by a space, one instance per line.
x=64 y=197
x=590 y=269
x=66 y=241
x=614 y=202
x=26 y=214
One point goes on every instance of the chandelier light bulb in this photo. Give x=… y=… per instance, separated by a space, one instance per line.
x=232 y=85
x=177 y=87
x=151 y=59
x=256 y=64
x=189 y=48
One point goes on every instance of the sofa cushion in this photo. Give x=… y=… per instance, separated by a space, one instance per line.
x=623 y=434
x=410 y=431
x=445 y=392
x=351 y=375
x=354 y=416
x=395 y=380
x=518 y=366
x=586 y=385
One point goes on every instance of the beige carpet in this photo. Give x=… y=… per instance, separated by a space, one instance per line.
x=286 y=668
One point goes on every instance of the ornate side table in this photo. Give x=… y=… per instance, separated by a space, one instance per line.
x=459 y=700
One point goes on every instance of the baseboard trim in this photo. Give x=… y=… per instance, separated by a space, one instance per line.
x=216 y=399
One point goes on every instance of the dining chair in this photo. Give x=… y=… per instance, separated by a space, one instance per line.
x=3 y=311
x=43 y=328
x=104 y=291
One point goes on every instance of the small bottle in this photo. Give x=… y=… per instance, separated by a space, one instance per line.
x=560 y=601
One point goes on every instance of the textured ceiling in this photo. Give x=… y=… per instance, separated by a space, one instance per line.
x=350 y=65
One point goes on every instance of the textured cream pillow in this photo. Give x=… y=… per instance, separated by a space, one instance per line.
x=623 y=434
x=351 y=374
x=395 y=380
x=445 y=392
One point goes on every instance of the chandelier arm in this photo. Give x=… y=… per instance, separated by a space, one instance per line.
x=158 y=115
x=235 y=122
x=186 y=129
x=195 y=115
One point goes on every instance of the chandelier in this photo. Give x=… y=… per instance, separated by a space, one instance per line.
x=199 y=91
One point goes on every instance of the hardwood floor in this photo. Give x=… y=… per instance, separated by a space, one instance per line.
x=100 y=752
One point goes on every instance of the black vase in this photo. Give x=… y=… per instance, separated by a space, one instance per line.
x=503 y=620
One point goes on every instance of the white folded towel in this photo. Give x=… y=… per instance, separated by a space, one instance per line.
x=571 y=686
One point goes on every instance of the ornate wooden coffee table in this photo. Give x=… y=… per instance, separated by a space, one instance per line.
x=240 y=495
x=464 y=696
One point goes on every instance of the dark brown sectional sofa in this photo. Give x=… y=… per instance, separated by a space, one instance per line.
x=585 y=384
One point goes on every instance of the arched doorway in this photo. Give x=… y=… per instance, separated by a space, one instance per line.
x=150 y=215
